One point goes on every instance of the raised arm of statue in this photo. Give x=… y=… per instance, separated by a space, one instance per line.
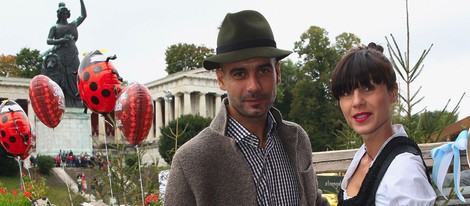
x=82 y=17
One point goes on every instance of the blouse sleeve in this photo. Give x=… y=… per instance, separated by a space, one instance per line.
x=405 y=183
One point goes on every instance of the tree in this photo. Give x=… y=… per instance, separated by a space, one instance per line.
x=121 y=179
x=312 y=105
x=408 y=100
x=29 y=62
x=183 y=57
x=188 y=127
x=8 y=67
x=433 y=122
x=288 y=80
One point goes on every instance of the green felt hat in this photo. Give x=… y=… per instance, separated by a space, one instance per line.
x=244 y=35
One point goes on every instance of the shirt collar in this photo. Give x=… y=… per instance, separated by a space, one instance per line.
x=238 y=132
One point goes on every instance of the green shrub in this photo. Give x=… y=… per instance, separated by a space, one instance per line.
x=9 y=167
x=188 y=127
x=130 y=159
x=45 y=164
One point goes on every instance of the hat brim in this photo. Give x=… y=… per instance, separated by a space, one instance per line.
x=215 y=61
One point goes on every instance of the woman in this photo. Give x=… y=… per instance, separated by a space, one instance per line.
x=388 y=168
x=63 y=36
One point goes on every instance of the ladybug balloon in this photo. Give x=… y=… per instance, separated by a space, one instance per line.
x=47 y=100
x=15 y=129
x=32 y=145
x=134 y=113
x=98 y=82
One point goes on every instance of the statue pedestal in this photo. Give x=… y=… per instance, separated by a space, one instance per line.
x=72 y=133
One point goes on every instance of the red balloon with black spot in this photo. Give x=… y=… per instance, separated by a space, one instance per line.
x=32 y=145
x=134 y=113
x=15 y=128
x=98 y=82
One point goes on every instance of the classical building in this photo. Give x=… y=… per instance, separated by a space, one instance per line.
x=189 y=92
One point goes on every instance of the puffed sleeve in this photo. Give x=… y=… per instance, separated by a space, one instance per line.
x=406 y=183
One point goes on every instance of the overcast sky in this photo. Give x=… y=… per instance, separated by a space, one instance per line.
x=140 y=31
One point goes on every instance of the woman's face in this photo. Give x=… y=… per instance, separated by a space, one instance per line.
x=368 y=110
x=64 y=13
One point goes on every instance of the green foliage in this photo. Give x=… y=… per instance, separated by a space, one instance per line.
x=348 y=138
x=288 y=80
x=8 y=67
x=182 y=57
x=29 y=62
x=310 y=86
x=45 y=164
x=36 y=187
x=130 y=159
x=171 y=138
x=13 y=198
x=125 y=177
x=9 y=166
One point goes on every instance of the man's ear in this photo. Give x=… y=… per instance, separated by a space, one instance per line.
x=220 y=78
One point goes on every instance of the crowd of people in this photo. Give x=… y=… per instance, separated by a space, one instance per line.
x=69 y=159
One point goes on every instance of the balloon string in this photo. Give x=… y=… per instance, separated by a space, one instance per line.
x=111 y=121
x=140 y=174
x=21 y=174
x=107 y=159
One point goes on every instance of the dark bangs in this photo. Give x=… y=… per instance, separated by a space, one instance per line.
x=359 y=68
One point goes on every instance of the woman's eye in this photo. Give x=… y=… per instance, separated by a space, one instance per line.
x=346 y=93
x=368 y=88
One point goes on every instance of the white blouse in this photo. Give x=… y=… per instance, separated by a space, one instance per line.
x=405 y=181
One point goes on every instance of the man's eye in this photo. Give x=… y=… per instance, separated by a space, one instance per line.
x=264 y=71
x=239 y=74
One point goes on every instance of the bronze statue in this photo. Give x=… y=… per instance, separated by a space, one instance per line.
x=62 y=61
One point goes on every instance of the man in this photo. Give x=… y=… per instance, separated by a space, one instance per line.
x=248 y=155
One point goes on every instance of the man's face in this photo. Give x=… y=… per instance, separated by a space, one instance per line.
x=250 y=86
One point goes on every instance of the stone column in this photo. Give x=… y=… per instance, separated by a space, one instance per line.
x=158 y=117
x=202 y=105
x=187 y=103
x=178 y=105
x=101 y=130
x=168 y=111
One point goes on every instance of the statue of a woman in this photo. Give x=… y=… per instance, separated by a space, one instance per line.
x=63 y=36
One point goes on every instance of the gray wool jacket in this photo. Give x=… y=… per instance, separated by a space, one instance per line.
x=210 y=169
